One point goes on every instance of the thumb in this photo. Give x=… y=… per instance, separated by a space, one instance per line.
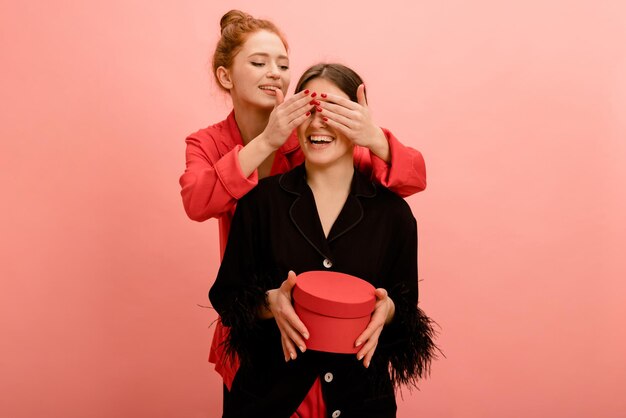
x=280 y=97
x=360 y=95
x=380 y=293
x=289 y=284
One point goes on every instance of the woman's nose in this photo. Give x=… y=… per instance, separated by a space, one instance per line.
x=318 y=121
x=273 y=72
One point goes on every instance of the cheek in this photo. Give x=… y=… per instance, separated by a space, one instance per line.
x=287 y=81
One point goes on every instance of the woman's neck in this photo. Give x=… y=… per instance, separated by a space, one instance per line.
x=333 y=178
x=330 y=186
x=250 y=120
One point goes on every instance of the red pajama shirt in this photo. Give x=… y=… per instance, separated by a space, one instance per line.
x=213 y=182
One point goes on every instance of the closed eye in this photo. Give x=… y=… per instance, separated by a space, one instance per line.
x=257 y=64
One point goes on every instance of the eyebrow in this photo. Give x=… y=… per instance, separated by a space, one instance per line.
x=265 y=54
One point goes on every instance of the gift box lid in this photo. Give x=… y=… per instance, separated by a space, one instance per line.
x=334 y=294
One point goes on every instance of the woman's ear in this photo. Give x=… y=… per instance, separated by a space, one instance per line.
x=223 y=76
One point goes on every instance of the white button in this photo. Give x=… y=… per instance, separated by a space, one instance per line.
x=328 y=377
x=328 y=264
x=336 y=414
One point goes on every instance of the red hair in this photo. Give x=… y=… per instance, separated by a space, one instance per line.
x=236 y=26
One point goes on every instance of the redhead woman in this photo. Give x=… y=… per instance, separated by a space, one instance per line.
x=322 y=215
x=257 y=139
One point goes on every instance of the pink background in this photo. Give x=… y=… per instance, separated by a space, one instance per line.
x=519 y=108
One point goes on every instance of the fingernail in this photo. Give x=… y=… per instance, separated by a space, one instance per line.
x=308 y=114
x=313 y=94
x=306 y=336
x=314 y=102
x=286 y=359
x=361 y=357
x=293 y=356
x=306 y=91
x=358 y=343
x=319 y=109
x=302 y=349
x=325 y=119
x=324 y=95
x=367 y=364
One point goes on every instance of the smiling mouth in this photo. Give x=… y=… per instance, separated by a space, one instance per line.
x=320 y=139
x=270 y=88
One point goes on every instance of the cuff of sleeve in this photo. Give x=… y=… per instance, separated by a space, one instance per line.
x=229 y=171
x=406 y=170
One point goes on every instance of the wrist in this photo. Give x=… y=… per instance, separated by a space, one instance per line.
x=265 y=144
x=380 y=146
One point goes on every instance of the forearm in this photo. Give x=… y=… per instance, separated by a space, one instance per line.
x=254 y=153
x=380 y=147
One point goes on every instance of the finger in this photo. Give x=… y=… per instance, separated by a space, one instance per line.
x=280 y=97
x=374 y=325
x=350 y=113
x=368 y=357
x=299 y=120
x=285 y=350
x=297 y=102
x=289 y=347
x=296 y=324
x=360 y=95
x=292 y=334
x=369 y=345
x=341 y=124
x=380 y=293
x=291 y=280
x=339 y=101
x=288 y=313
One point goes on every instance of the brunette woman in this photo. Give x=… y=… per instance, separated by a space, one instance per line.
x=322 y=215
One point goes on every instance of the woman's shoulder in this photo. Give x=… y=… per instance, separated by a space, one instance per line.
x=394 y=206
x=220 y=133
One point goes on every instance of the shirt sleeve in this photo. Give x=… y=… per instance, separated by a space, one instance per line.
x=242 y=280
x=212 y=184
x=406 y=344
x=405 y=175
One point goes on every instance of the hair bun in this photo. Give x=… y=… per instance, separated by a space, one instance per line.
x=233 y=17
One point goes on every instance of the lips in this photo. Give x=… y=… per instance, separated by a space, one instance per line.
x=268 y=87
x=320 y=139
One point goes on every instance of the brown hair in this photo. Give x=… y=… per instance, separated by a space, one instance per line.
x=343 y=77
x=236 y=26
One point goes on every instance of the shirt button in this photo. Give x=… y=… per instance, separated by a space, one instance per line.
x=328 y=377
x=327 y=263
x=336 y=414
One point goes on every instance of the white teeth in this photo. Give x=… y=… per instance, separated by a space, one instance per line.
x=320 y=139
x=273 y=88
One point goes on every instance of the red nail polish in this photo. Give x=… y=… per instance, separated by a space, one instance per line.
x=325 y=119
x=306 y=91
x=319 y=109
x=312 y=102
x=313 y=94
x=308 y=113
x=324 y=95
